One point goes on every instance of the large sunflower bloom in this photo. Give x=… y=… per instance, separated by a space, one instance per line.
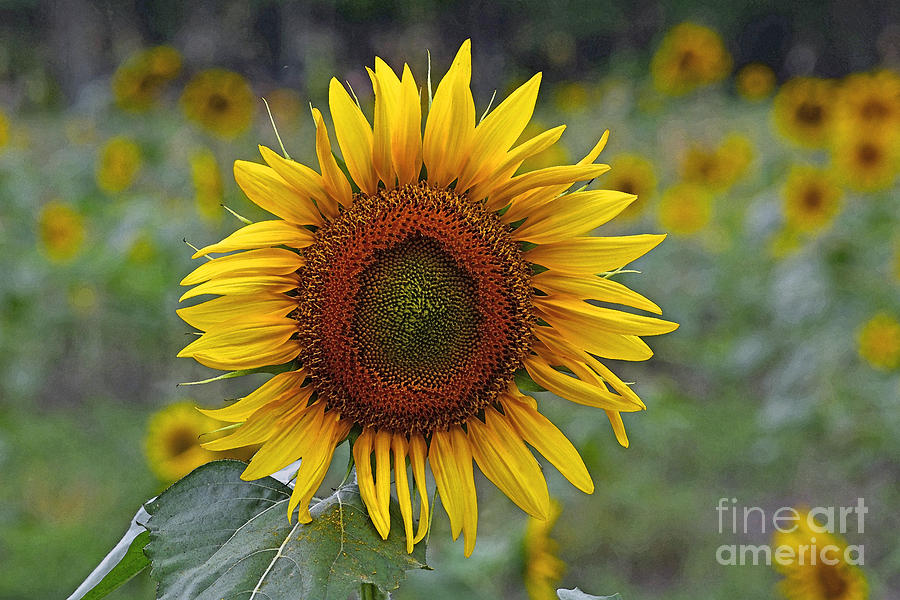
x=404 y=310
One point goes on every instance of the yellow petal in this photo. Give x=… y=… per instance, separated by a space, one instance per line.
x=406 y=144
x=504 y=459
x=230 y=309
x=280 y=388
x=387 y=94
x=259 y=427
x=362 y=457
x=382 y=447
x=462 y=452
x=244 y=284
x=563 y=175
x=303 y=179
x=615 y=419
x=245 y=346
x=514 y=159
x=593 y=255
x=290 y=442
x=417 y=452
x=261 y=235
x=599 y=320
x=336 y=184
x=354 y=135
x=592 y=287
x=399 y=447
x=265 y=261
x=315 y=464
x=451 y=121
x=571 y=215
x=446 y=478
x=614 y=346
x=268 y=190
x=496 y=134
x=573 y=389
x=544 y=436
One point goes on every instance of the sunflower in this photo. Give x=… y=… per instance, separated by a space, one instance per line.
x=811 y=198
x=571 y=97
x=406 y=311
x=689 y=56
x=60 y=231
x=220 y=101
x=4 y=129
x=866 y=161
x=869 y=101
x=139 y=82
x=685 y=209
x=173 y=441
x=807 y=575
x=803 y=110
x=717 y=169
x=878 y=341
x=207 y=181
x=633 y=174
x=755 y=82
x=118 y=164
x=543 y=568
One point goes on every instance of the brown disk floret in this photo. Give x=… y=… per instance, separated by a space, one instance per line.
x=414 y=309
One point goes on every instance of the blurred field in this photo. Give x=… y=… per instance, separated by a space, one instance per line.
x=773 y=391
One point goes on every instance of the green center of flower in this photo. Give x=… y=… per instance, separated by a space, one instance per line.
x=415 y=313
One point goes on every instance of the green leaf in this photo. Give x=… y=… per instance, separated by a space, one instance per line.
x=214 y=536
x=525 y=383
x=123 y=562
x=577 y=594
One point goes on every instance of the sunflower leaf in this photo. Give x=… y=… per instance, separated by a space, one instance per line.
x=577 y=594
x=215 y=536
x=525 y=383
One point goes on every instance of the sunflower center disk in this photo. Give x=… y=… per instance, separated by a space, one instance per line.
x=415 y=309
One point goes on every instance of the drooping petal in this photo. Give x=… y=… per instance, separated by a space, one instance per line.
x=451 y=122
x=362 y=457
x=258 y=428
x=314 y=465
x=399 y=449
x=219 y=312
x=504 y=459
x=496 y=134
x=547 y=439
x=593 y=255
x=336 y=184
x=571 y=215
x=599 y=320
x=417 y=456
x=447 y=478
x=354 y=136
x=292 y=440
x=574 y=389
x=382 y=447
x=261 y=234
x=462 y=452
x=278 y=389
x=592 y=287
x=271 y=261
x=268 y=190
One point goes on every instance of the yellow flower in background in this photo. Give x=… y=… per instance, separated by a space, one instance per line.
x=571 y=97
x=785 y=242
x=689 y=56
x=869 y=101
x=807 y=576
x=220 y=101
x=286 y=107
x=60 y=231
x=173 y=441
x=719 y=168
x=632 y=174
x=685 y=209
x=143 y=249
x=803 y=110
x=866 y=161
x=82 y=298
x=118 y=164
x=4 y=129
x=755 y=82
x=140 y=81
x=404 y=310
x=208 y=191
x=811 y=198
x=878 y=341
x=543 y=568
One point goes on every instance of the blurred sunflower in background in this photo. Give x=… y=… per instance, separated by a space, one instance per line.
x=207 y=180
x=60 y=231
x=118 y=164
x=173 y=441
x=810 y=199
x=632 y=174
x=543 y=567
x=4 y=129
x=719 y=168
x=685 y=209
x=690 y=56
x=406 y=311
x=803 y=111
x=755 y=82
x=869 y=102
x=878 y=341
x=139 y=82
x=866 y=161
x=807 y=576
x=219 y=101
